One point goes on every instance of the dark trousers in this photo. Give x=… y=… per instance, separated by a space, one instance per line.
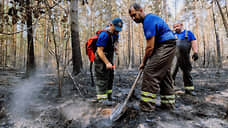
x=157 y=76
x=183 y=62
x=103 y=77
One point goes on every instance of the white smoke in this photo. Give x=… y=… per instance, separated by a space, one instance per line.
x=24 y=107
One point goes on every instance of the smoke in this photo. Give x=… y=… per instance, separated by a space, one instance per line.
x=77 y=110
x=25 y=102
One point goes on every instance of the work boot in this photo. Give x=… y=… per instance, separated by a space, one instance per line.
x=110 y=96
x=147 y=107
x=106 y=102
x=193 y=93
x=167 y=106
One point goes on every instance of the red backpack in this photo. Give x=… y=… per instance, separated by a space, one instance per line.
x=91 y=45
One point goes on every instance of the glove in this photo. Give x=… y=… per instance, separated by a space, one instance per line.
x=195 y=56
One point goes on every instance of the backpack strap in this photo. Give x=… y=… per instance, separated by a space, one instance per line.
x=99 y=31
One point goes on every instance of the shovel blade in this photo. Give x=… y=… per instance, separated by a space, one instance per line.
x=118 y=111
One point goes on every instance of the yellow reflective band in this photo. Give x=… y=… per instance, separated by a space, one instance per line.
x=148 y=94
x=168 y=96
x=148 y=99
x=168 y=101
x=189 y=88
x=104 y=96
x=109 y=91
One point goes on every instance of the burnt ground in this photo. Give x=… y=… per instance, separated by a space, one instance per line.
x=33 y=102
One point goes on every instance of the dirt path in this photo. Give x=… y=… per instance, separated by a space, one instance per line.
x=32 y=103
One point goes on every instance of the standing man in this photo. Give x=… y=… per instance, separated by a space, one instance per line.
x=159 y=53
x=185 y=41
x=104 y=71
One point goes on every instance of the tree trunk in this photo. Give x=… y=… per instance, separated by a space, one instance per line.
x=219 y=60
x=129 y=45
x=165 y=10
x=196 y=24
x=1 y=30
x=30 y=51
x=76 y=51
x=132 y=46
x=14 y=45
x=223 y=18
x=226 y=7
x=21 y=48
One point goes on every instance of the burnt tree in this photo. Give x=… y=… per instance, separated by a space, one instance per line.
x=30 y=67
x=75 y=42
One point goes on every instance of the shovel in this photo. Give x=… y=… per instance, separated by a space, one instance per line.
x=120 y=109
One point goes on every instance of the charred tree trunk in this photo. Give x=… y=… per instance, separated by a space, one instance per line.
x=1 y=30
x=219 y=60
x=129 y=45
x=76 y=51
x=30 y=51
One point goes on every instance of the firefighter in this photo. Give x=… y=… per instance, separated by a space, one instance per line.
x=185 y=42
x=103 y=62
x=159 y=53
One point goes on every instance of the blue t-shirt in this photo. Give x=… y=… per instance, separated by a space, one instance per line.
x=103 y=39
x=182 y=35
x=155 y=26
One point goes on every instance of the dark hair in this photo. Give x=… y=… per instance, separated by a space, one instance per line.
x=135 y=6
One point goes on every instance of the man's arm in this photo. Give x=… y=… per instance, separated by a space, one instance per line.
x=194 y=46
x=148 y=51
x=103 y=57
x=195 y=50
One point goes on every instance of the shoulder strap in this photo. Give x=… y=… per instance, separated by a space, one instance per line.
x=175 y=34
x=186 y=34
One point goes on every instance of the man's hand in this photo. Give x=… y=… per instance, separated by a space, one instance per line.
x=141 y=66
x=109 y=66
x=195 y=56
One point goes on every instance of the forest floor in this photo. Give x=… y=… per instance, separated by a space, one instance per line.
x=33 y=102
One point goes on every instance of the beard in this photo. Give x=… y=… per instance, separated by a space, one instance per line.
x=138 y=20
x=178 y=30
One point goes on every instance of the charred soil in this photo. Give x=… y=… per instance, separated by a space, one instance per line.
x=33 y=102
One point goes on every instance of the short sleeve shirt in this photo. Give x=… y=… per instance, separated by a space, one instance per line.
x=102 y=39
x=154 y=25
x=189 y=34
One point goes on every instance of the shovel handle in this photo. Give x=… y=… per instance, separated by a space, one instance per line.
x=132 y=87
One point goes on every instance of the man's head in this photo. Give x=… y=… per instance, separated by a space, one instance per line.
x=136 y=13
x=178 y=27
x=116 y=25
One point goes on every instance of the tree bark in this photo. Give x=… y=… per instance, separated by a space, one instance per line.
x=129 y=45
x=30 y=51
x=14 y=45
x=219 y=60
x=223 y=18
x=76 y=51
x=1 y=30
x=21 y=48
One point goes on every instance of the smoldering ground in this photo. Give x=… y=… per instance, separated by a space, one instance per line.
x=25 y=104
x=42 y=109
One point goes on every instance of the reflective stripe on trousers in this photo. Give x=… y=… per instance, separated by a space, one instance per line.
x=148 y=97
x=168 y=99
x=189 y=88
x=102 y=96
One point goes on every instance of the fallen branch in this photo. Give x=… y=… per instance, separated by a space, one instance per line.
x=75 y=83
